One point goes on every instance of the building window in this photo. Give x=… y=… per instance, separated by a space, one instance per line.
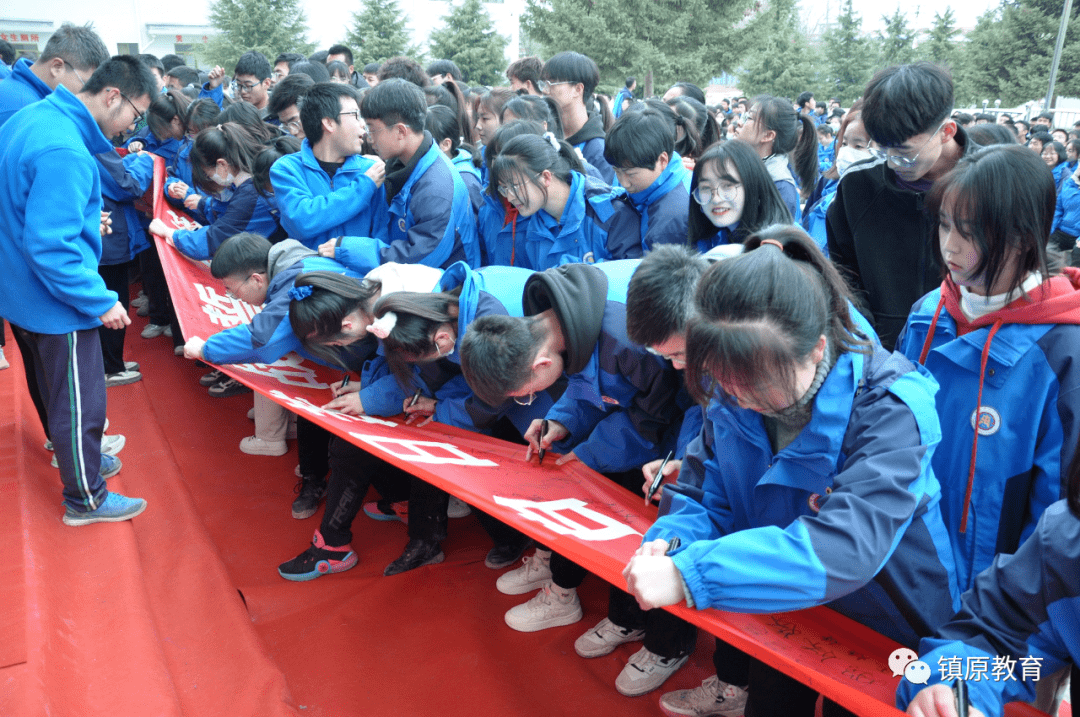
x=127 y=48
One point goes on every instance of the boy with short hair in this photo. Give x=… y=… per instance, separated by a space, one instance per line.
x=641 y=149
x=252 y=78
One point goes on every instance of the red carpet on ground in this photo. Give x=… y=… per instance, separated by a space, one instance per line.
x=181 y=611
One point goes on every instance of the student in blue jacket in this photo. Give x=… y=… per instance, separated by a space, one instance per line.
x=431 y=221
x=1066 y=226
x=1022 y=607
x=618 y=411
x=569 y=217
x=570 y=78
x=1000 y=335
x=445 y=129
x=733 y=197
x=641 y=149
x=330 y=188
x=815 y=471
x=221 y=160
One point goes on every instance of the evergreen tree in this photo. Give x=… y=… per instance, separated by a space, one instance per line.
x=784 y=62
x=941 y=45
x=468 y=38
x=378 y=33
x=269 y=26
x=677 y=40
x=847 y=56
x=897 y=43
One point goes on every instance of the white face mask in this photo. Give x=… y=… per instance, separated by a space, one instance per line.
x=227 y=180
x=848 y=156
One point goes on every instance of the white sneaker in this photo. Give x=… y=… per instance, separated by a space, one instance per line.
x=535 y=572
x=546 y=609
x=110 y=446
x=645 y=671
x=457 y=508
x=604 y=638
x=256 y=446
x=712 y=699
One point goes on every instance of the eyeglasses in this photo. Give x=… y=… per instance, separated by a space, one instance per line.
x=68 y=64
x=544 y=85
x=725 y=190
x=244 y=86
x=139 y=115
x=679 y=356
x=354 y=113
x=902 y=160
x=293 y=125
x=230 y=292
x=514 y=190
x=525 y=400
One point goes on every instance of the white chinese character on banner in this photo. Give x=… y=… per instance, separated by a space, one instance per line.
x=180 y=221
x=425 y=451
x=1002 y=669
x=302 y=404
x=550 y=515
x=222 y=310
x=977 y=668
x=289 y=370
x=1031 y=668
x=952 y=668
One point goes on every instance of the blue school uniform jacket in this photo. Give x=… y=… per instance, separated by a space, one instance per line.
x=316 y=208
x=589 y=140
x=1024 y=606
x=21 y=89
x=50 y=215
x=123 y=181
x=431 y=221
x=597 y=224
x=248 y=211
x=470 y=175
x=846 y=515
x=620 y=401
x=1067 y=209
x=269 y=336
x=1027 y=418
x=664 y=208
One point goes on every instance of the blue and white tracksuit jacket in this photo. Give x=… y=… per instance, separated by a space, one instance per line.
x=1023 y=606
x=269 y=336
x=664 y=207
x=431 y=222
x=248 y=211
x=846 y=515
x=316 y=207
x=1028 y=427
x=597 y=224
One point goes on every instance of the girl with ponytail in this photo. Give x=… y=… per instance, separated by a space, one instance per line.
x=785 y=140
x=221 y=161
x=569 y=217
x=815 y=444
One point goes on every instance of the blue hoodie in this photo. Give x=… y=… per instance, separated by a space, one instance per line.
x=50 y=177
x=21 y=89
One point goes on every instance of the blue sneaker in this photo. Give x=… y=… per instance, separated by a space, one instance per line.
x=110 y=465
x=115 y=509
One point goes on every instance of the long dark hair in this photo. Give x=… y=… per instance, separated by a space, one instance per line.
x=1004 y=199
x=526 y=156
x=762 y=313
x=796 y=135
x=228 y=141
x=419 y=316
x=706 y=130
x=316 y=319
x=540 y=109
x=762 y=204
x=164 y=109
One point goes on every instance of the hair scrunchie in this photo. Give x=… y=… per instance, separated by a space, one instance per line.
x=383 y=325
x=552 y=141
x=299 y=293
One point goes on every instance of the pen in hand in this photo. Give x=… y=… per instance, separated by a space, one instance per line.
x=543 y=432
x=658 y=478
x=415 y=398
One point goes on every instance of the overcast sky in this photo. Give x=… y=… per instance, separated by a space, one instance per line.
x=919 y=14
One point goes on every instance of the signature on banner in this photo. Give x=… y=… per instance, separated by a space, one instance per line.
x=224 y=311
x=289 y=370
x=181 y=221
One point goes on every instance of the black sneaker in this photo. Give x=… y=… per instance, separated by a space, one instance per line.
x=211 y=378
x=417 y=553
x=310 y=492
x=318 y=560
x=502 y=556
x=227 y=387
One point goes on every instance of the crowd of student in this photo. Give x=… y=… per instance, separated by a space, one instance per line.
x=853 y=365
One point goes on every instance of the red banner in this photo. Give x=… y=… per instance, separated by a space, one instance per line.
x=569 y=508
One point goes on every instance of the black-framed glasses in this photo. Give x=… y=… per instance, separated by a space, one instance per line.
x=139 y=115
x=244 y=86
x=350 y=113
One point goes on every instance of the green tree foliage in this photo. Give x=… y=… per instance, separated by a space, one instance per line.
x=378 y=32
x=269 y=26
x=784 y=62
x=940 y=46
x=468 y=38
x=897 y=42
x=689 y=40
x=847 y=57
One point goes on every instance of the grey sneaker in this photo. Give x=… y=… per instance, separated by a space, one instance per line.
x=457 y=508
x=152 y=331
x=122 y=378
x=645 y=671
x=604 y=638
x=712 y=699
